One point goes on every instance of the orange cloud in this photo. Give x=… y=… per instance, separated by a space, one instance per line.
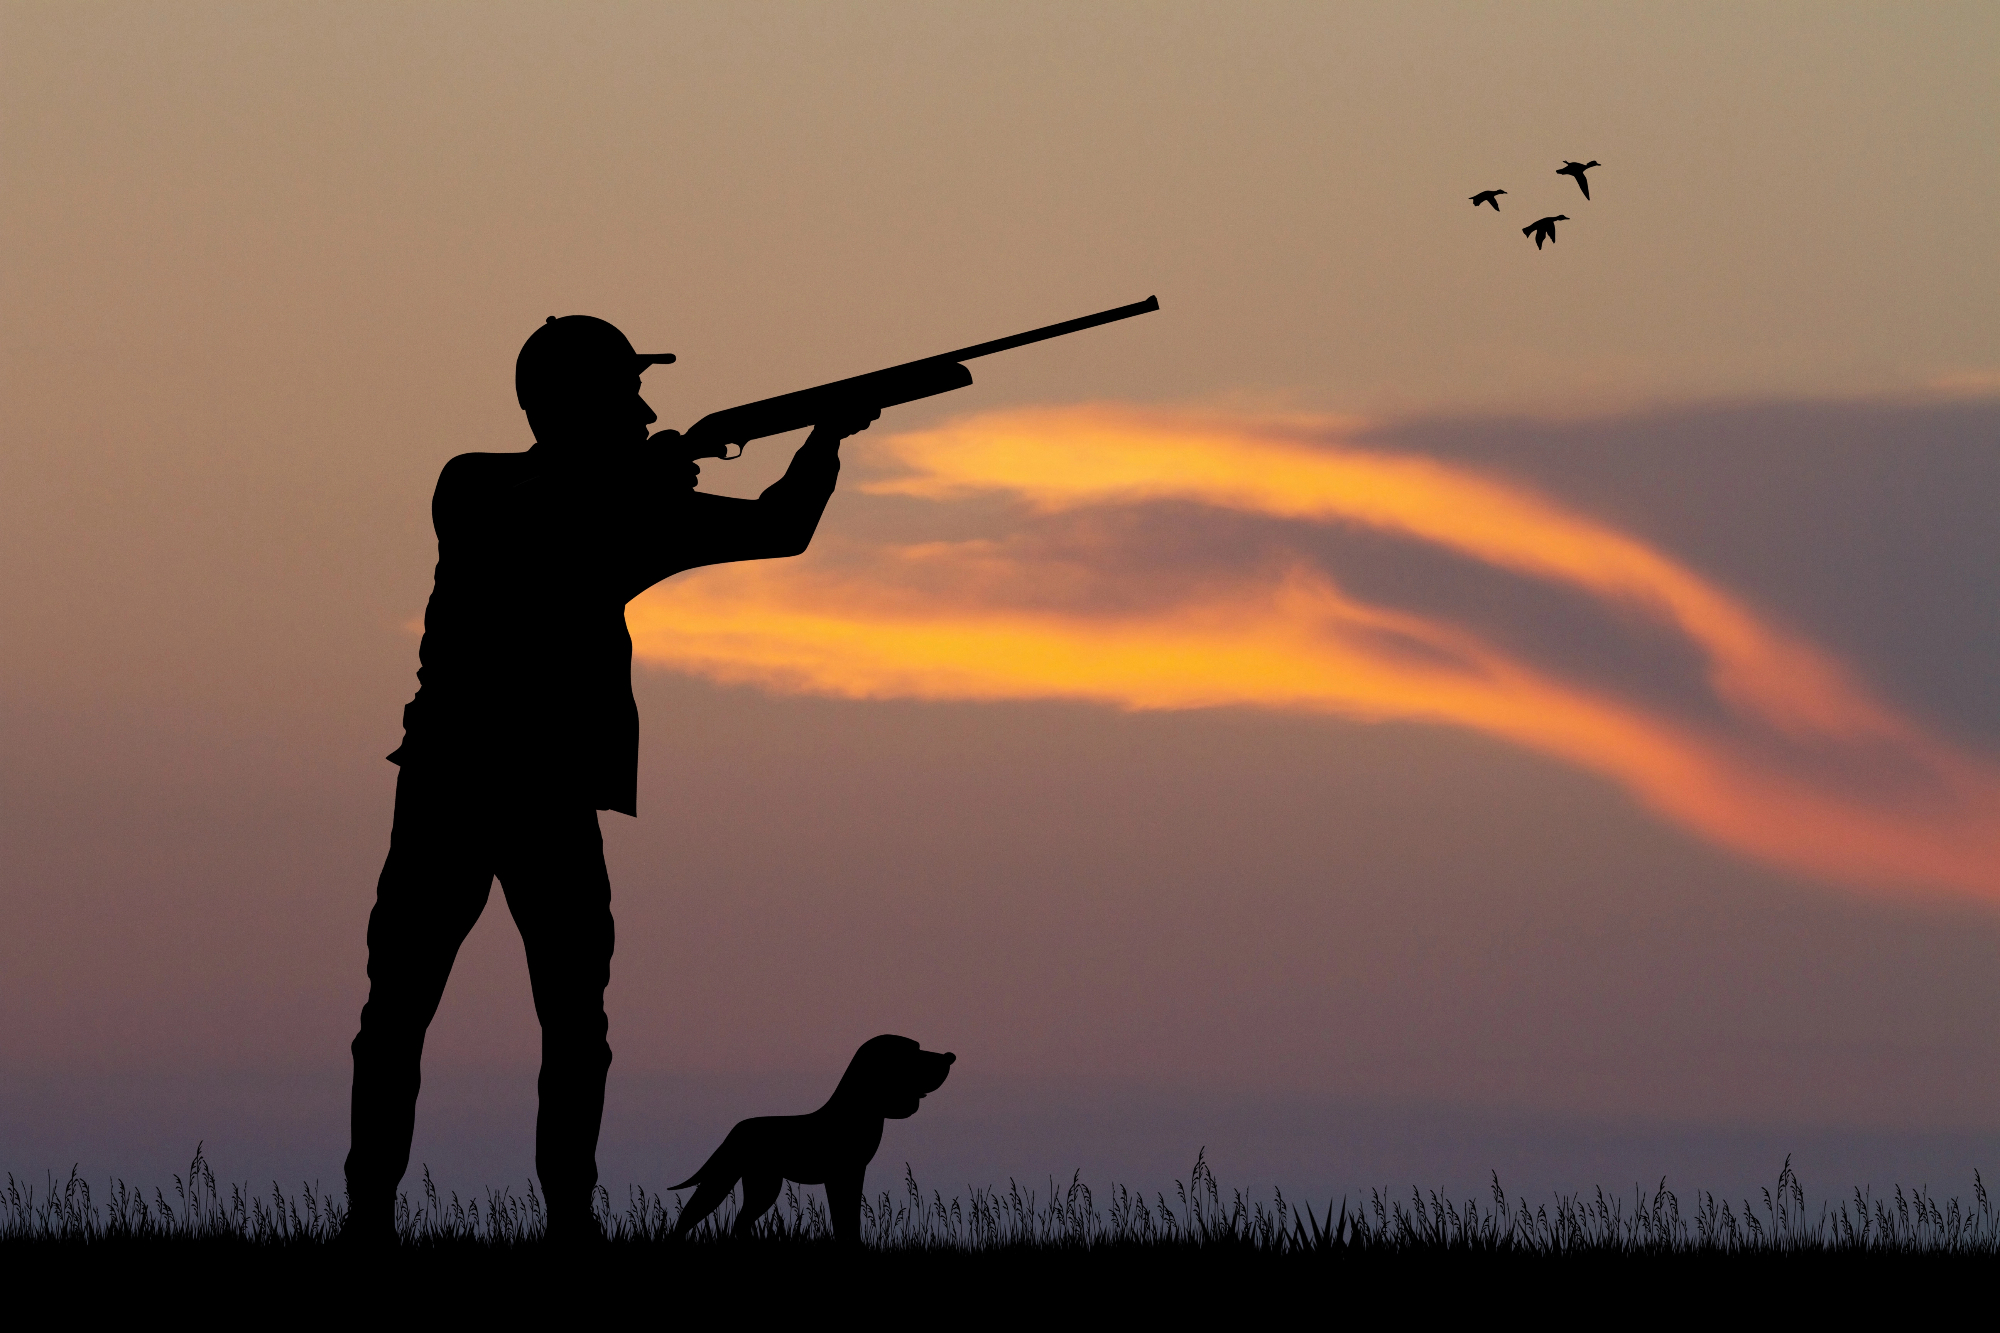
x=1808 y=771
x=1966 y=383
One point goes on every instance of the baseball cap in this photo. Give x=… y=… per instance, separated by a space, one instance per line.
x=573 y=352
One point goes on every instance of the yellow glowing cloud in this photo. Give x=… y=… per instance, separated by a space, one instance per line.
x=1065 y=458
x=1814 y=775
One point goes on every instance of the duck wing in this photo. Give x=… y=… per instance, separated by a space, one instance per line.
x=1582 y=183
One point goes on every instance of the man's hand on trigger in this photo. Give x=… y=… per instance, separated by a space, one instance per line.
x=667 y=437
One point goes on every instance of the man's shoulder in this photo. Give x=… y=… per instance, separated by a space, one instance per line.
x=484 y=467
x=470 y=483
x=482 y=472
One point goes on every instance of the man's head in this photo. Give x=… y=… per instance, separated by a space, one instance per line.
x=577 y=378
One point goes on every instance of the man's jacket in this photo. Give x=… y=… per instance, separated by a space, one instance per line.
x=525 y=683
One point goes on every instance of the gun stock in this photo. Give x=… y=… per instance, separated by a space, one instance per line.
x=712 y=436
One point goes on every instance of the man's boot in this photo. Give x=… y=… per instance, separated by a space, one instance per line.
x=571 y=1222
x=370 y=1222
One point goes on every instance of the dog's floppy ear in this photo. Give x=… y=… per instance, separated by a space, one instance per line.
x=873 y=1067
x=881 y=1055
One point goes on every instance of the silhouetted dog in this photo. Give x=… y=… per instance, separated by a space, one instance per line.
x=833 y=1146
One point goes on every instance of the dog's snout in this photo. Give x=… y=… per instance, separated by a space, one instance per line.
x=932 y=1069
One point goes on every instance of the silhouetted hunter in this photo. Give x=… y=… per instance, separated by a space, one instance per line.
x=1488 y=197
x=524 y=727
x=524 y=724
x=1544 y=228
x=1577 y=169
x=886 y=1080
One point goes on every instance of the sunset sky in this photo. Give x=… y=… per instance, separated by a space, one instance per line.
x=1416 y=705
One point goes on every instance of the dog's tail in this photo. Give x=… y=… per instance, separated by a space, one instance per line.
x=714 y=1159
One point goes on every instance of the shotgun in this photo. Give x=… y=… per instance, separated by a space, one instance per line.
x=714 y=434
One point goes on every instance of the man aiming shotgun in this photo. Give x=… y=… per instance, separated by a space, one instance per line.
x=524 y=724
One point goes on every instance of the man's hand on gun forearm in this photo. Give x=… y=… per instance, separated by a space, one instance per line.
x=838 y=426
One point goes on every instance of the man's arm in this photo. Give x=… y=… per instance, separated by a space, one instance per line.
x=719 y=529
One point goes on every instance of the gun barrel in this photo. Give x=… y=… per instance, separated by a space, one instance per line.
x=1151 y=303
x=711 y=436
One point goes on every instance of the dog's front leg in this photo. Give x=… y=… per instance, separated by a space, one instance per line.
x=843 y=1200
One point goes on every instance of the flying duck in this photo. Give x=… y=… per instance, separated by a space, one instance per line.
x=1486 y=197
x=1577 y=169
x=1544 y=228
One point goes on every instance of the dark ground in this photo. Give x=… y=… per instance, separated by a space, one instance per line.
x=313 y=1283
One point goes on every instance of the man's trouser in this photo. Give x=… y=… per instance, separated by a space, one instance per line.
x=451 y=838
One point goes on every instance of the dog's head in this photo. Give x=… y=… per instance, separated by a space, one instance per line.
x=889 y=1076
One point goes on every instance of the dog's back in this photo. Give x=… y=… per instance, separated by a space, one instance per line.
x=743 y=1138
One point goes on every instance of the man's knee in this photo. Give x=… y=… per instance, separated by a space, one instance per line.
x=569 y=970
x=581 y=1034
x=382 y=1046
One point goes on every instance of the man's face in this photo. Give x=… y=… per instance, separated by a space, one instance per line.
x=594 y=414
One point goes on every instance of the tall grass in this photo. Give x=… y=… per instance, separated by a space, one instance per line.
x=1069 y=1218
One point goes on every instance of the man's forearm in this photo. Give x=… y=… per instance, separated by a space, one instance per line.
x=789 y=509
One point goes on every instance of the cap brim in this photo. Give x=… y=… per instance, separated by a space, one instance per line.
x=654 y=359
